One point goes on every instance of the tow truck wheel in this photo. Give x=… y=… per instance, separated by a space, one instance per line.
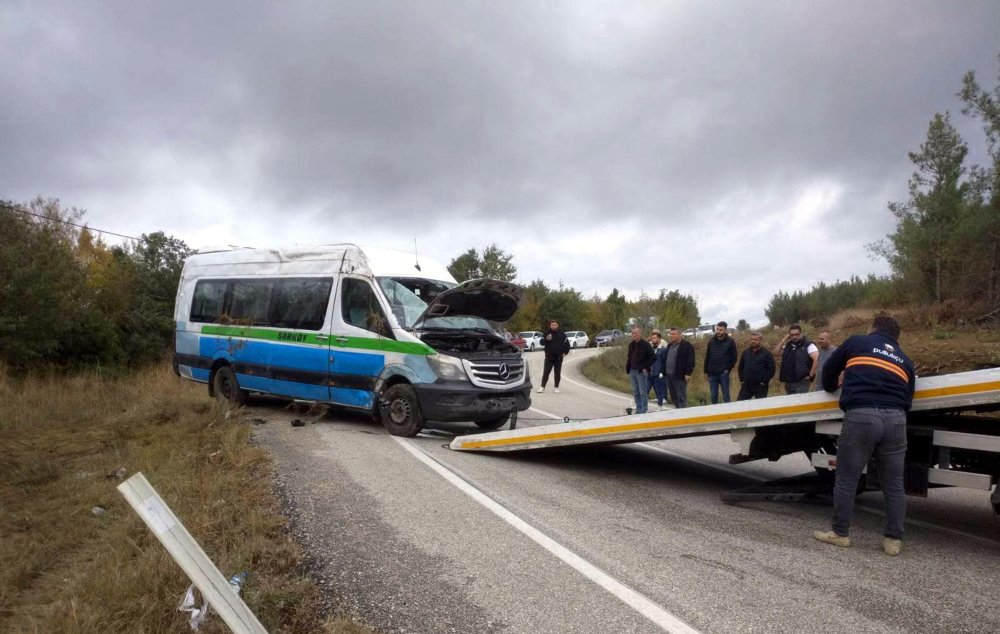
x=227 y=388
x=493 y=423
x=401 y=411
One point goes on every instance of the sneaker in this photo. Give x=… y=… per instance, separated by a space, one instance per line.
x=829 y=537
x=891 y=546
x=556 y=390
x=541 y=389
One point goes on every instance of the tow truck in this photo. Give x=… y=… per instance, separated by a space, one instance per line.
x=952 y=440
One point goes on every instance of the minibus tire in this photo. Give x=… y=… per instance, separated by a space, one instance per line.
x=493 y=423
x=227 y=388
x=401 y=414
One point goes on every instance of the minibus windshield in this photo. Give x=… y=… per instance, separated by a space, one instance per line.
x=409 y=296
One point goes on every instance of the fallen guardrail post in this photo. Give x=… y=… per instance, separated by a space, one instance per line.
x=144 y=499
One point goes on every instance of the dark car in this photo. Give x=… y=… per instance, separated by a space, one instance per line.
x=609 y=338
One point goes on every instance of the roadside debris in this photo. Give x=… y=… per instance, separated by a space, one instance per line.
x=118 y=474
x=298 y=422
x=189 y=604
x=98 y=511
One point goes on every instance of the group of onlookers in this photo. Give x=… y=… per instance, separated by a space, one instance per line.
x=665 y=367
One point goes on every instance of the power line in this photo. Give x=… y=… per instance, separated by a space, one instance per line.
x=67 y=222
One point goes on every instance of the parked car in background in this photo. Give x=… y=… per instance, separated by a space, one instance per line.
x=517 y=340
x=609 y=338
x=577 y=339
x=706 y=330
x=532 y=340
x=690 y=332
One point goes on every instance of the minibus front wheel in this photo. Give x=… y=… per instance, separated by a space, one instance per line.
x=401 y=414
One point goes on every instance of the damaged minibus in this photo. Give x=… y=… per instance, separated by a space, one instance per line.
x=369 y=329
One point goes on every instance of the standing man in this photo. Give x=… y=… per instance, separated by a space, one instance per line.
x=756 y=370
x=877 y=392
x=799 y=357
x=678 y=366
x=556 y=347
x=826 y=348
x=640 y=360
x=656 y=373
x=720 y=357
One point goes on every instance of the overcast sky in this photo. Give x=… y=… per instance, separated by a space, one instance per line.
x=725 y=149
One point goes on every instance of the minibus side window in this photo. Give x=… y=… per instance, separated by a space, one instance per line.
x=360 y=307
x=300 y=303
x=250 y=300
x=207 y=305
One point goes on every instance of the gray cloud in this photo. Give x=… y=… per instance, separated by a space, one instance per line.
x=670 y=146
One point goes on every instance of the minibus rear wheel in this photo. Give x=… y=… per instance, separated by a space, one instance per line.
x=401 y=411
x=227 y=388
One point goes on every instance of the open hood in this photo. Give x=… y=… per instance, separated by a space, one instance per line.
x=492 y=300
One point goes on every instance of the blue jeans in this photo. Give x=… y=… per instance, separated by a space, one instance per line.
x=640 y=390
x=865 y=431
x=719 y=380
x=659 y=388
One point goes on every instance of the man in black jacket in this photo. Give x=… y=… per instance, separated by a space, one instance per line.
x=640 y=360
x=756 y=370
x=678 y=366
x=720 y=357
x=556 y=347
x=799 y=359
x=878 y=382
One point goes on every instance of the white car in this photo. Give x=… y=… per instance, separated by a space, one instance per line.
x=577 y=339
x=532 y=339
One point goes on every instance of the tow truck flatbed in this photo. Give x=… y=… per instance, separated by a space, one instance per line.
x=966 y=391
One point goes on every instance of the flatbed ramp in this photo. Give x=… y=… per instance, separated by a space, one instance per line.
x=950 y=393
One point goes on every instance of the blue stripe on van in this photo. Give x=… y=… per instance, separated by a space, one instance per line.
x=305 y=391
x=353 y=398
x=306 y=358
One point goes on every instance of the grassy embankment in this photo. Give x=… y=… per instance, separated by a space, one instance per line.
x=935 y=347
x=65 y=569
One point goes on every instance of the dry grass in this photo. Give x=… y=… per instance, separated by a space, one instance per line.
x=64 y=569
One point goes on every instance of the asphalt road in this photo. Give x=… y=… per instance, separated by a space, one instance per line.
x=409 y=536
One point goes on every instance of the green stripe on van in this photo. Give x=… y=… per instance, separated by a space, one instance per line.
x=381 y=344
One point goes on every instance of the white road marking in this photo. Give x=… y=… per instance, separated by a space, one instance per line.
x=544 y=413
x=656 y=614
x=594 y=389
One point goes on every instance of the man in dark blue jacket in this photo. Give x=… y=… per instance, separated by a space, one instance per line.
x=720 y=357
x=878 y=382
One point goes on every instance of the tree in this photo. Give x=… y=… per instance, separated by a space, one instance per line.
x=466 y=266
x=925 y=250
x=616 y=309
x=495 y=263
x=566 y=306
x=742 y=326
x=41 y=281
x=985 y=221
x=157 y=260
x=528 y=316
